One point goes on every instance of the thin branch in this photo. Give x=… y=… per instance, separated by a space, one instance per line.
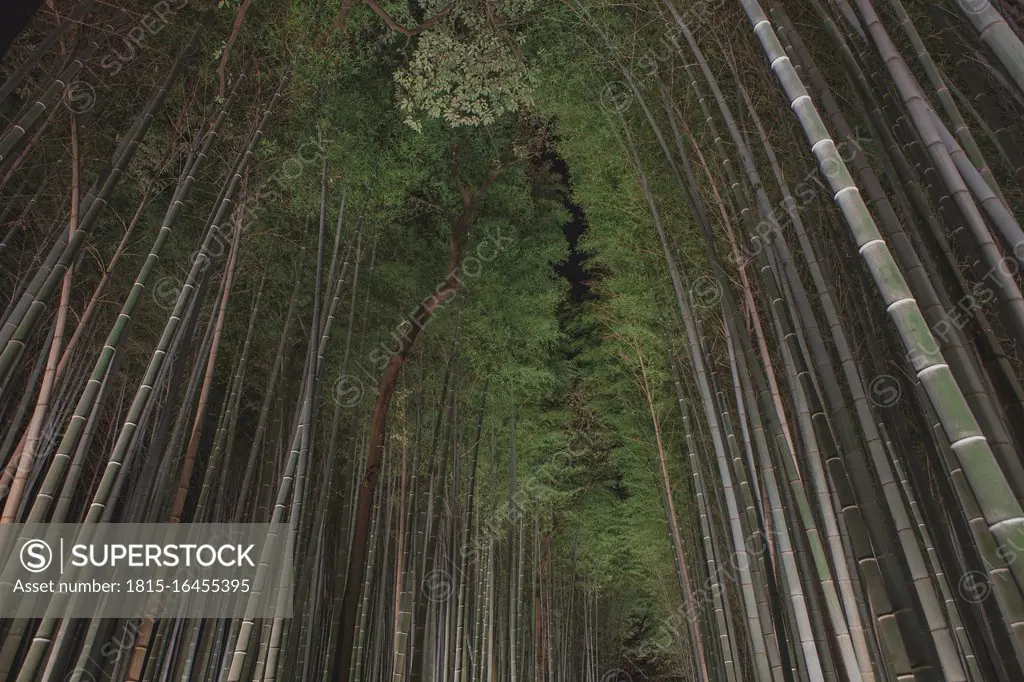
x=408 y=32
x=436 y=207
x=236 y=29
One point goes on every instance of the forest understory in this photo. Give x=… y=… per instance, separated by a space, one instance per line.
x=532 y=340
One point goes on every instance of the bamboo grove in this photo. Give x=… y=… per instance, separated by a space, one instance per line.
x=660 y=339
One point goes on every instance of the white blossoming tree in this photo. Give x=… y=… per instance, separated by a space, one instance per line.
x=467 y=69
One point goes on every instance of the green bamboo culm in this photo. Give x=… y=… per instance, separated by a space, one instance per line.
x=15 y=332
x=997 y=34
x=1002 y=516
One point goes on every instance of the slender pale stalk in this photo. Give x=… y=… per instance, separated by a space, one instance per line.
x=178 y=506
x=118 y=332
x=997 y=34
x=45 y=101
x=26 y=459
x=18 y=75
x=946 y=101
x=32 y=303
x=1000 y=511
x=758 y=635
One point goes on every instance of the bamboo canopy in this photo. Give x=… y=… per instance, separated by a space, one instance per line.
x=590 y=340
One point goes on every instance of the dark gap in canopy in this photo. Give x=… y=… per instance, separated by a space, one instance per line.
x=574 y=267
